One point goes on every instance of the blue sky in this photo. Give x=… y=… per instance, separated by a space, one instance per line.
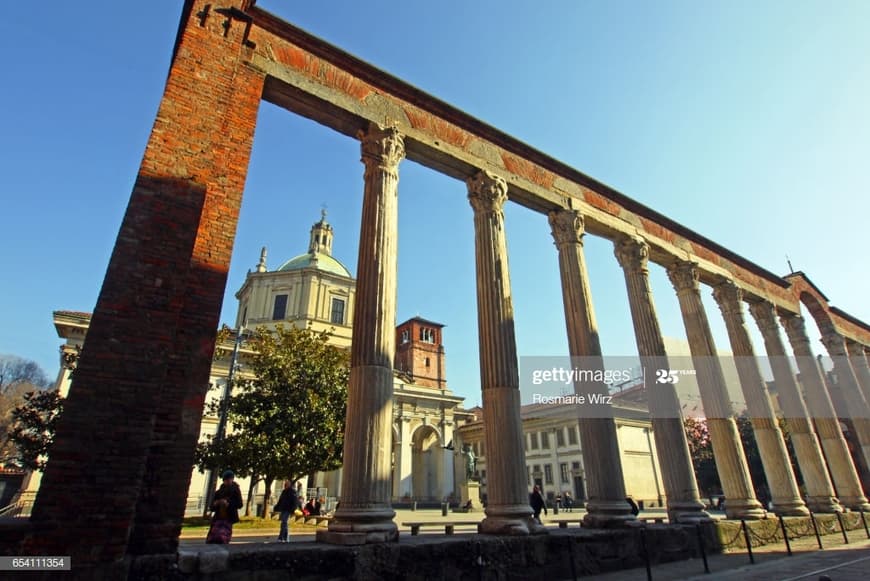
x=745 y=121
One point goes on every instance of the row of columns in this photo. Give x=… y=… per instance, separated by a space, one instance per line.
x=365 y=514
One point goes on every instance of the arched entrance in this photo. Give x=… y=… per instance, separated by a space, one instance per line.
x=427 y=464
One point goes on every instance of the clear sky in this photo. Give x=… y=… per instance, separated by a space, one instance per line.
x=745 y=121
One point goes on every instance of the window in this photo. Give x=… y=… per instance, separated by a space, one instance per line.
x=560 y=437
x=545 y=440
x=406 y=335
x=427 y=362
x=534 y=437
x=279 y=312
x=536 y=471
x=427 y=335
x=572 y=435
x=548 y=474
x=563 y=470
x=337 y=316
x=483 y=447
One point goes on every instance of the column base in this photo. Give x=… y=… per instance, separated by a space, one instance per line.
x=688 y=512
x=510 y=520
x=749 y=509
x=606 y=514
x=790 y=508
x=855 y=503
x=824 y=504
x=353 y=526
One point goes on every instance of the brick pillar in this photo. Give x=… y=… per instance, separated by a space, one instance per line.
x=605 y=483
x=820 y=491
x=840 y=463
x=120 y=468
x=678 y=475
x=730 y=458
x=507 y=510
x=365 y=514
x=771 y=445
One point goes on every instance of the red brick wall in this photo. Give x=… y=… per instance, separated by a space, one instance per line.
x=120 y=467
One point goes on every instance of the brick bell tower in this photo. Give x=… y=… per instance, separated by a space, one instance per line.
x=420 y=353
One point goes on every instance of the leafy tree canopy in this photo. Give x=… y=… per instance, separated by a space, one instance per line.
x=288 y=417
x=33 y=428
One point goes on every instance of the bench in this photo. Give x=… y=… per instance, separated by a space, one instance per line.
x=563 y=522
x=306 y=519
x=448 y=526
x=653 y=519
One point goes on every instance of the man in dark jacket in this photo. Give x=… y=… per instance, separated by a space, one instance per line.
x=536 y=499
x=287 y=503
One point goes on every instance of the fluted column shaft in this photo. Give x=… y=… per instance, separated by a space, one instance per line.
x=678 y=475
x=860 y=365
x=606 y=504
x=365 y=514
x=840 y=463
x=820 y=491
x=730 y=459
x=507 y=510
x=850 y=390
x=771 y=445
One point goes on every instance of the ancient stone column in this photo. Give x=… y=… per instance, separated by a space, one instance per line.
x=727 y=448
x=365 y=514
x=850 y=389
x=507 y=510
x=840 y=463
x=606 y=504
x=771 y=445
x=860 y=366
x=820 y=491
x=678 y=475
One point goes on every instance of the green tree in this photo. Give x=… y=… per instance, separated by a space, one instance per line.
x=33 y=427
x=18 y=376
x=288 y=419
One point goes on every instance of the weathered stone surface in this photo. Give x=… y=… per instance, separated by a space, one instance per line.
x=563 y=554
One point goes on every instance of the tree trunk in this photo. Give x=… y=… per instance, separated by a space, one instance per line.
x=254 y=479
x=267 y=497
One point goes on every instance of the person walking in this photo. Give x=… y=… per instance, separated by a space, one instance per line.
x=226 y=504
x=287 y=503
x=536 y=499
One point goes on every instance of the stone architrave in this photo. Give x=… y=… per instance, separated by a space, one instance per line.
x=840 y=463
x=860 y=365
x=365 y=514
x=507 y=510
x=606 y=505
x=820 y=491
x=850 y=390
x=730 y=459
x=681 y=487
x=771 y=445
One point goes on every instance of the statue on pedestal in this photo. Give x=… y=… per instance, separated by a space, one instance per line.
x=470 y=462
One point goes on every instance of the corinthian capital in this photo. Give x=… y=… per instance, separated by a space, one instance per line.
x=765 y=316
x=567 y=226
x=382 y=148
x=834 y=343
x=728 y=296
x=632 y=253
x=487 y=192
x=795 y=328
x=854 y=348
x=683 y=275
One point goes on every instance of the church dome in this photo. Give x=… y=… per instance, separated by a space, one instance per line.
x=317 y=260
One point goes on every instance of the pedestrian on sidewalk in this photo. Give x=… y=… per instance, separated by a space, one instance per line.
x=287 y=503
x=226 y=505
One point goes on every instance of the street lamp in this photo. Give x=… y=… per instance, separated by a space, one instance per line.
x=222 y=416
